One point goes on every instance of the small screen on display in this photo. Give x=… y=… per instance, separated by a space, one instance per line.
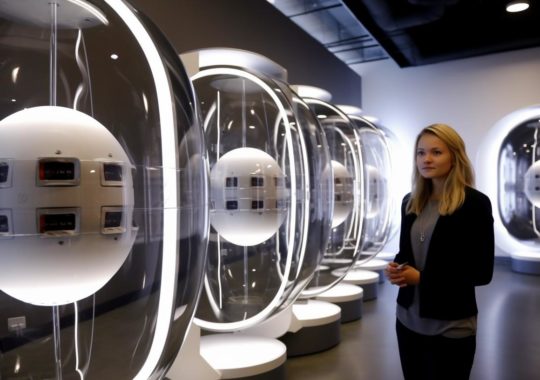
x=232 y=205
x=113 y=219
x=257 y=205
x=231 y=182
x=4 y=171
x=56 y=171
x=257 y=181
x=112 y=172
x=4 y=226
x=56 y=222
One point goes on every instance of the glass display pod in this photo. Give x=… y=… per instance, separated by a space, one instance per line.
x=343 y=248
x=269 y=179
x=382 y=202
x=103 y=193
x=513 y=185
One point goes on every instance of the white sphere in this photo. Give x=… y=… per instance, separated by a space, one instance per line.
x=532 y=184
x=343 y=193
x=67 y=200
x=375 y=194
x=248 y=196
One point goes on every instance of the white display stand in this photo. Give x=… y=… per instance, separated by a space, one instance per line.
x=376 y=265
x=526 y=262
x=244 y=356
x=229 y=356
x=368 y=280
x=386 y=255
x=189 y=364
x=348 y=297
x=316 y=327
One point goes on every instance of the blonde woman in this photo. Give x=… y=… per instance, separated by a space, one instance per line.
x=446 y=249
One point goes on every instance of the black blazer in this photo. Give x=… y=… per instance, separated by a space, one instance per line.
x=460 y=256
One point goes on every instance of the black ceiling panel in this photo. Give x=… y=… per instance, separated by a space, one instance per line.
x=420 y=32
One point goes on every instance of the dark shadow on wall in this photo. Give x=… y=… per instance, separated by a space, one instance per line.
x=254 y=25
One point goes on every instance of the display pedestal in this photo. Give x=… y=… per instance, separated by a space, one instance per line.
x=348 y=297
x=229 y=356
x=526 y=262
x=316 y=328
x=388 y=256
x=189 y=364
x=368 y=280
x=248 y=357
x=376 y=265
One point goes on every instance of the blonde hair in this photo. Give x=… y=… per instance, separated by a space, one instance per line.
x=461 y=174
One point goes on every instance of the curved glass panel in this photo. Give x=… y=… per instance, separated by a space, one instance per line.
x=103 y=193
x=321 y=191
x=345 y=240
x=260 y=197
x=518 y=181
x=377 y=197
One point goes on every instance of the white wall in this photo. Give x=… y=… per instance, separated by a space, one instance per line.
x=471 y=95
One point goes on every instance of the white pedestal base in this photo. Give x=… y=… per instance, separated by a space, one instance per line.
x=526 y=262
x=317 y=328
x=376 y=265
x=242 y=356
x=348 y=297
x=368 y=280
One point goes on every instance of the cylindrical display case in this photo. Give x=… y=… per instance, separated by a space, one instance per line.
x=270 y=195
x=103 y=193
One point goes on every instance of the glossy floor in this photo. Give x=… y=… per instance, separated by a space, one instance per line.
x=508 y=343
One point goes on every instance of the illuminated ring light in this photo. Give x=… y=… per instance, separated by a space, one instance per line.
x=347 y=137
x=487 y=181
x=376 y=158
x=70 y=204
x=389 y=146
x=232 y=177
x=158 y=253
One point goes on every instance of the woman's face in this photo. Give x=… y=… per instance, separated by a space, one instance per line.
x=433 y=158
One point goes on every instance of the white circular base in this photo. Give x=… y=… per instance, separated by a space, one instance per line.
x=341 y=293
x=348 y=297
x=369 y=280
x=316 y=313
x=388 y=256
x=237 y=355
x=358 y=276
x=526 y=262
x=335 y=262
x=377 y=265
x=318 y=328
x=526 y=255
x=373 y=264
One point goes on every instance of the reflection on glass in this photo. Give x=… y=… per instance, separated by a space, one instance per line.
x=103 y=189
x=345 y=239
x=258 y=133
x=518 y=183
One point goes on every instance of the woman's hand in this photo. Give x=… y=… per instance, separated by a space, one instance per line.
x=402 y=274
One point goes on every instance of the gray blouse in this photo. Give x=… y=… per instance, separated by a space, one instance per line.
x=421 y=232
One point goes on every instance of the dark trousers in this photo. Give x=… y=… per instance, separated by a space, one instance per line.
x=425 y=357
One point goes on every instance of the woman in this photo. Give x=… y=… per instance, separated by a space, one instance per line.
x=446 y=249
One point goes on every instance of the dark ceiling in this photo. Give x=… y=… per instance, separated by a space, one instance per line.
x=414 y=32
x=420 y=32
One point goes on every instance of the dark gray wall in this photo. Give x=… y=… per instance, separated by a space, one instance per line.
x=254 y=25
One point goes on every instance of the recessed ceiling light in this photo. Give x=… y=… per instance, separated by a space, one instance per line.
x=517 y=6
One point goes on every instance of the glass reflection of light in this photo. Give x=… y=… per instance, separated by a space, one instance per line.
x=258 y=219
x=343 y=249
x=69 y=31
x=378 y=198
x=511 y=143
